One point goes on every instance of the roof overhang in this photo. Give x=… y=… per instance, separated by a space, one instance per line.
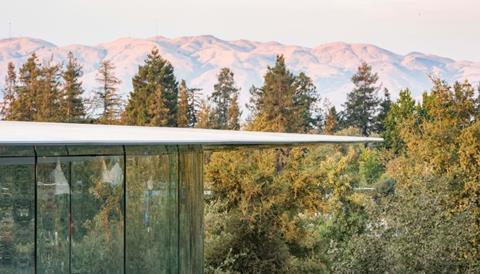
x=38 y=133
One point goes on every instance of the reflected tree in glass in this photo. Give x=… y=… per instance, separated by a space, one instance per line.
x=152 y=211
x=53 y=206
x=17 y=215
x=97 y=217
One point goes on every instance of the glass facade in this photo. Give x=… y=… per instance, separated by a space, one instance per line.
x=101 y=209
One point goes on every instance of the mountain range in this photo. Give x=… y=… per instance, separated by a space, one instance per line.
x=198 y=59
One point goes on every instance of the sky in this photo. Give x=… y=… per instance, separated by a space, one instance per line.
x=443 y=27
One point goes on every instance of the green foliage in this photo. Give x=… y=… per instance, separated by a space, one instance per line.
x=154 y=98
x=370 y=167
x=385 y=106
x=107 y=93
x=284 y=103
x=362 y=102
x=187 y=106
x=401 y=110
x=224 y=102
x=9 y=91
x=203 y=115
x=71 y=99
x=331 y=121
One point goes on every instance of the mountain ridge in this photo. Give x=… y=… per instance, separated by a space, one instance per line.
x=197 y=59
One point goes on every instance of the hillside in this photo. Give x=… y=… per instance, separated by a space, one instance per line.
x=198 y=59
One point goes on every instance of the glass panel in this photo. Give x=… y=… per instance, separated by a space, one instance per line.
x=51 y=151
x=191 y=209
x=17 y=151
x=53 y=202
x=152 y=216
x=17 y=195
x=95 y=150
x=97 y=217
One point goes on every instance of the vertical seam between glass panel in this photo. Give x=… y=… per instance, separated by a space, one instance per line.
x=179 y=263
x=124 y=209
x=70 y=218
x=35 y=210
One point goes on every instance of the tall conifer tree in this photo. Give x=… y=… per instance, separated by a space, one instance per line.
x=107 y=93
x=9 y=92
x=72 y=90
x=203 y=115
x=49 y=95
x=187 y=105
x=155 y=77
x=234 y=113
x=385 y=106
x=221 y=98
x=157 y=108
x=362 y=102
x=24 y=107
x=331 y=121
x=284 y=103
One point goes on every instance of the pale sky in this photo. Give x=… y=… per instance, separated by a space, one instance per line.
x=448 y=28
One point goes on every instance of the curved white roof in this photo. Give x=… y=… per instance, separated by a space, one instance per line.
x=22 y=133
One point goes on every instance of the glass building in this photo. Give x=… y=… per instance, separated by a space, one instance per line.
x=110 y=199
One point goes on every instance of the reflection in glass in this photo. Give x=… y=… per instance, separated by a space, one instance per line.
x=152 y=226
x=80 y=225
x=190 y=203
x=17 y=215
x=97 y=217
x=53 y=199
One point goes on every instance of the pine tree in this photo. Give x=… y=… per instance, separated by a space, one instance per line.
x=234 y=114
x=72 y=102
x=182 y=120
x=362 y=102
x=331 y=121
x=385 y=106
x=24 y=106
x=157 y=108
x=107 y=93
x=9 y=92
x=400 y=111
x=221 y=98
x=284 y=102
x=49 y=95
x=187 y=105
x=155 y=77
x=203 y=115
x=304 y=99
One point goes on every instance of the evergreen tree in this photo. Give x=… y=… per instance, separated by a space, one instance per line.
x=385 y=106
x=9 y=92
x=187 y=106
x=203 y=115
x=158 y=110
x=284 y=103
x=304 y=99
x=221 y=98
x=362 y=102
x=49 y=95
x=401 y=110
x=155 y=77
x=72 y=102
x=182 y=120
x=331 y=121
x=234 y=114
x=24 y=106
x=38 y=92
x=107 y=93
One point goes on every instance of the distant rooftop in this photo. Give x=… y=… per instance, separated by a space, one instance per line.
x=35 y=133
